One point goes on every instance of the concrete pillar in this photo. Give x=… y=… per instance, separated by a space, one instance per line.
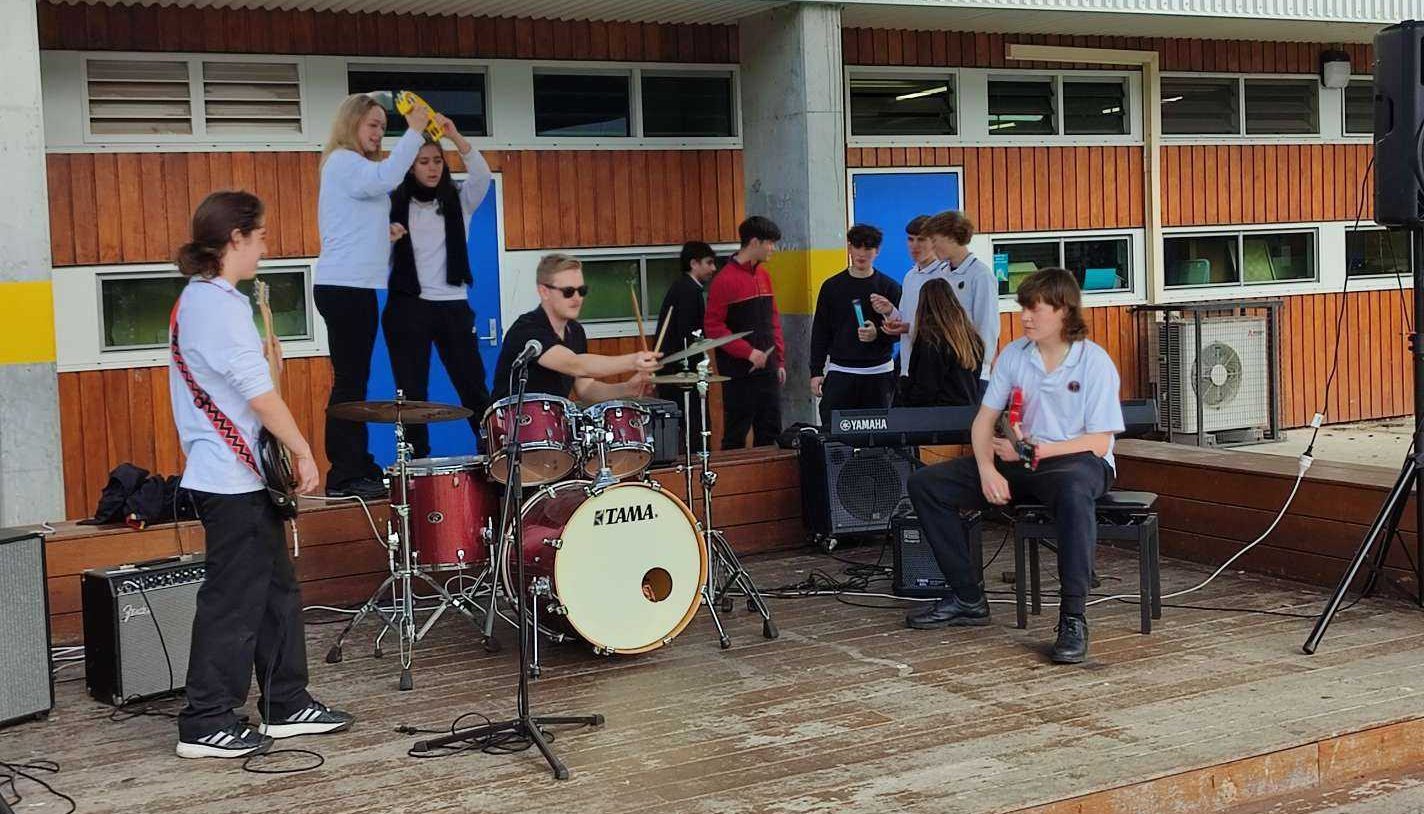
x=31 y=480
x=793 y=121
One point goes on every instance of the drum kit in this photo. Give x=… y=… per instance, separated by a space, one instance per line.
x=590 y=548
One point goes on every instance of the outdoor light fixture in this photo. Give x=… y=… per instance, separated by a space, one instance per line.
x=1334 y=69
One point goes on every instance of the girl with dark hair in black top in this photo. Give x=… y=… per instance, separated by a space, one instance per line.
x=947 y=355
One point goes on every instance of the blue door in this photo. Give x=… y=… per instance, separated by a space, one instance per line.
x=889 y=200
x=451 y=437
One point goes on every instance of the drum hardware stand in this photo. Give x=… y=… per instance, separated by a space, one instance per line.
x=401 y=617
x=526 y=724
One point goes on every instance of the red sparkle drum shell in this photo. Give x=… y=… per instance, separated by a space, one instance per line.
x=630 y=450
x=453 y=506
x=548 y=438
x=626 y=565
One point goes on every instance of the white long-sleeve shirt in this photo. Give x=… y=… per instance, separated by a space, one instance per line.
x=427 y=230
x=978 y=291
x=220 y=345
x=354 y=214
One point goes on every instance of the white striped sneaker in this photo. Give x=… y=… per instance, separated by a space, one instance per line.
x=238 y=740
x=314 y=719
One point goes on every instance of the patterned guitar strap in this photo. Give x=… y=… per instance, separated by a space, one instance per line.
x=225 y=428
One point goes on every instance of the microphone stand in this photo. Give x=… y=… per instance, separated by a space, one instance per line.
x=525 y=725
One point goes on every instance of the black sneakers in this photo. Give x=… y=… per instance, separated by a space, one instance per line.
x=238 y=740
x=314 y=719
x=364 y=488
x=1072 y=644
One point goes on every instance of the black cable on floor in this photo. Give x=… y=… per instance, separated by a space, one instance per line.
x=11 y=773
x=504 y=743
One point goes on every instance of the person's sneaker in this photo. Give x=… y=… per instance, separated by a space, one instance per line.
x=1072 y=644
x=314 y=719
x=364 y=488
x=238 y=740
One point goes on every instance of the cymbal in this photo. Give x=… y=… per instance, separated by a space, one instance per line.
x=686 y=378
x=406 y=412
x=702 y=346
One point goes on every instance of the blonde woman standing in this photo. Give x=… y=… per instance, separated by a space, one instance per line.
x=353 y=214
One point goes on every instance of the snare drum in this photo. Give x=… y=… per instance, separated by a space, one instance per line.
x=623 y=568
x=453 y=509
x=548 y=437
x=625 y=437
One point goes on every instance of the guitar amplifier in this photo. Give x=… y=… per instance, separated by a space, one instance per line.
x=916 y=572
x=666 y=431
x=26 y=683
x=850 y=490
x=138 y=627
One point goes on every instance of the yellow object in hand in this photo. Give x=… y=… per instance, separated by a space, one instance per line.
x=406 y=101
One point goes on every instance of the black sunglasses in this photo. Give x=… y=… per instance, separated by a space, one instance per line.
x=568 y=291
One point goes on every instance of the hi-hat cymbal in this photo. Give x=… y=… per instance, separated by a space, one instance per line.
x=406 y=412
x=702 y=346
x=686 y=378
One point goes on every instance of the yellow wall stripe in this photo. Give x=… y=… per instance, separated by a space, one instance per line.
x=796 y=276
x=28 y=337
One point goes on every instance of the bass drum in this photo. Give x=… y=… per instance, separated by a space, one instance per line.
x=624 y=566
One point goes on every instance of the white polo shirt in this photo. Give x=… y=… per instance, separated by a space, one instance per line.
x=1079 y=397
x=978 y=291
x=220 y=345
x=915 y=279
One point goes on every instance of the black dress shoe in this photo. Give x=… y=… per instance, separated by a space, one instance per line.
x=951 y=612
x=1072 y=644
x=364 y=488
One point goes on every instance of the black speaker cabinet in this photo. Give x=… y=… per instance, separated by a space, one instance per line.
x=138 y=626
x=850 y=490
x=1399 y=111
x=26 y=680
x=916 y=572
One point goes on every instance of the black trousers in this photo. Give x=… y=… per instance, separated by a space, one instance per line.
x=249 y=615
x=751 y=402
x=351 y=316
x=412 y=326
x=1068 y=485
x=853 y=391
x=692 y=421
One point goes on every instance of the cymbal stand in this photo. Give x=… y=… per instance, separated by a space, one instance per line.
x=723 y=559
x=709 y=587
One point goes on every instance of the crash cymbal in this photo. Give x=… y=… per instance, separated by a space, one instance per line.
x=407 y=412
x=686 y=378
x=702 y=346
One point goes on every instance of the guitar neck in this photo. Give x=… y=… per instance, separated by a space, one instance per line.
x=272 y=347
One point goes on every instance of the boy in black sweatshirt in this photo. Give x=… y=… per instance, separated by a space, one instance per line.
x=861 y=370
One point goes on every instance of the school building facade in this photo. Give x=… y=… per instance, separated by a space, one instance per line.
x=1164 y=152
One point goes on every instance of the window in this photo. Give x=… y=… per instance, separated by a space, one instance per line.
x=1022 y=107
x=902 y=106
x=143 y=99
x=1282 y=106
x=1097 y=108
x=135 y=307
x=581 y=105
x=1097 y=263
x=1247 y=257
x=610 y=280
x=1360 y=108
x=1234 y=106
x=1200 y=106
x=687 y=104
x=459 y=94
x=1370 y=252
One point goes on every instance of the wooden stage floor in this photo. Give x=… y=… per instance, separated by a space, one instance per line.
x=848 y=711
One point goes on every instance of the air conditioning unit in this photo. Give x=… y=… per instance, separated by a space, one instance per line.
x=1232 y=377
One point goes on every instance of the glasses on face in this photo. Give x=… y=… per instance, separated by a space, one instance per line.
x=568 y=291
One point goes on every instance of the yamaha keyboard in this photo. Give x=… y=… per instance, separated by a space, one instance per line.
x=902 y=426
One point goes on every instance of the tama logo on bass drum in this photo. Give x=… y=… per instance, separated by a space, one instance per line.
x=624 y=514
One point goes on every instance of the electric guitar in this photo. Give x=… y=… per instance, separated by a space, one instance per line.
x=1009 y=426
x=274 y=458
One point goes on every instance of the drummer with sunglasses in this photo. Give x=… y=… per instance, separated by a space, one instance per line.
x=565 y=368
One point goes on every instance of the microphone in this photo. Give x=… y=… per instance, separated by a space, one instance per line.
x=531 y=351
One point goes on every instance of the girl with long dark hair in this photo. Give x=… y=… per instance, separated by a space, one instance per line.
x=947 y=353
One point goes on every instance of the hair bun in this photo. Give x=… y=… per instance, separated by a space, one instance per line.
x=198 y=260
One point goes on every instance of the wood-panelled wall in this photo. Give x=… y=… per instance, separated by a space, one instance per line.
x=951 y=49
x=1265 y=183
x=135 y=207
x=1013 y=189
x=99 y=27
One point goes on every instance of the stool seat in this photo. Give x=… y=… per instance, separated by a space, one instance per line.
x=1114 y=499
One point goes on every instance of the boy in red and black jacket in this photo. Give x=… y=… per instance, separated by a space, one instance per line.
x=740 y=299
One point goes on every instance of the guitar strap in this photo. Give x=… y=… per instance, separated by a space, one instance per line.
x=226 y=430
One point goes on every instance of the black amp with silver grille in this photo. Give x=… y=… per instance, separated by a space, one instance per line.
x=850 y=490
x=138 y=626
x=26 y=686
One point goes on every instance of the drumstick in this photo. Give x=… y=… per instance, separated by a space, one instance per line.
x=638 y=312
x=658 y=345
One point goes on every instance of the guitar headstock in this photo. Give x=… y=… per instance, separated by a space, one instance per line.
x=260 y=292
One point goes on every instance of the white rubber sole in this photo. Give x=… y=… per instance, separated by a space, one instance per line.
x=198 y=750
x=280 y=731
